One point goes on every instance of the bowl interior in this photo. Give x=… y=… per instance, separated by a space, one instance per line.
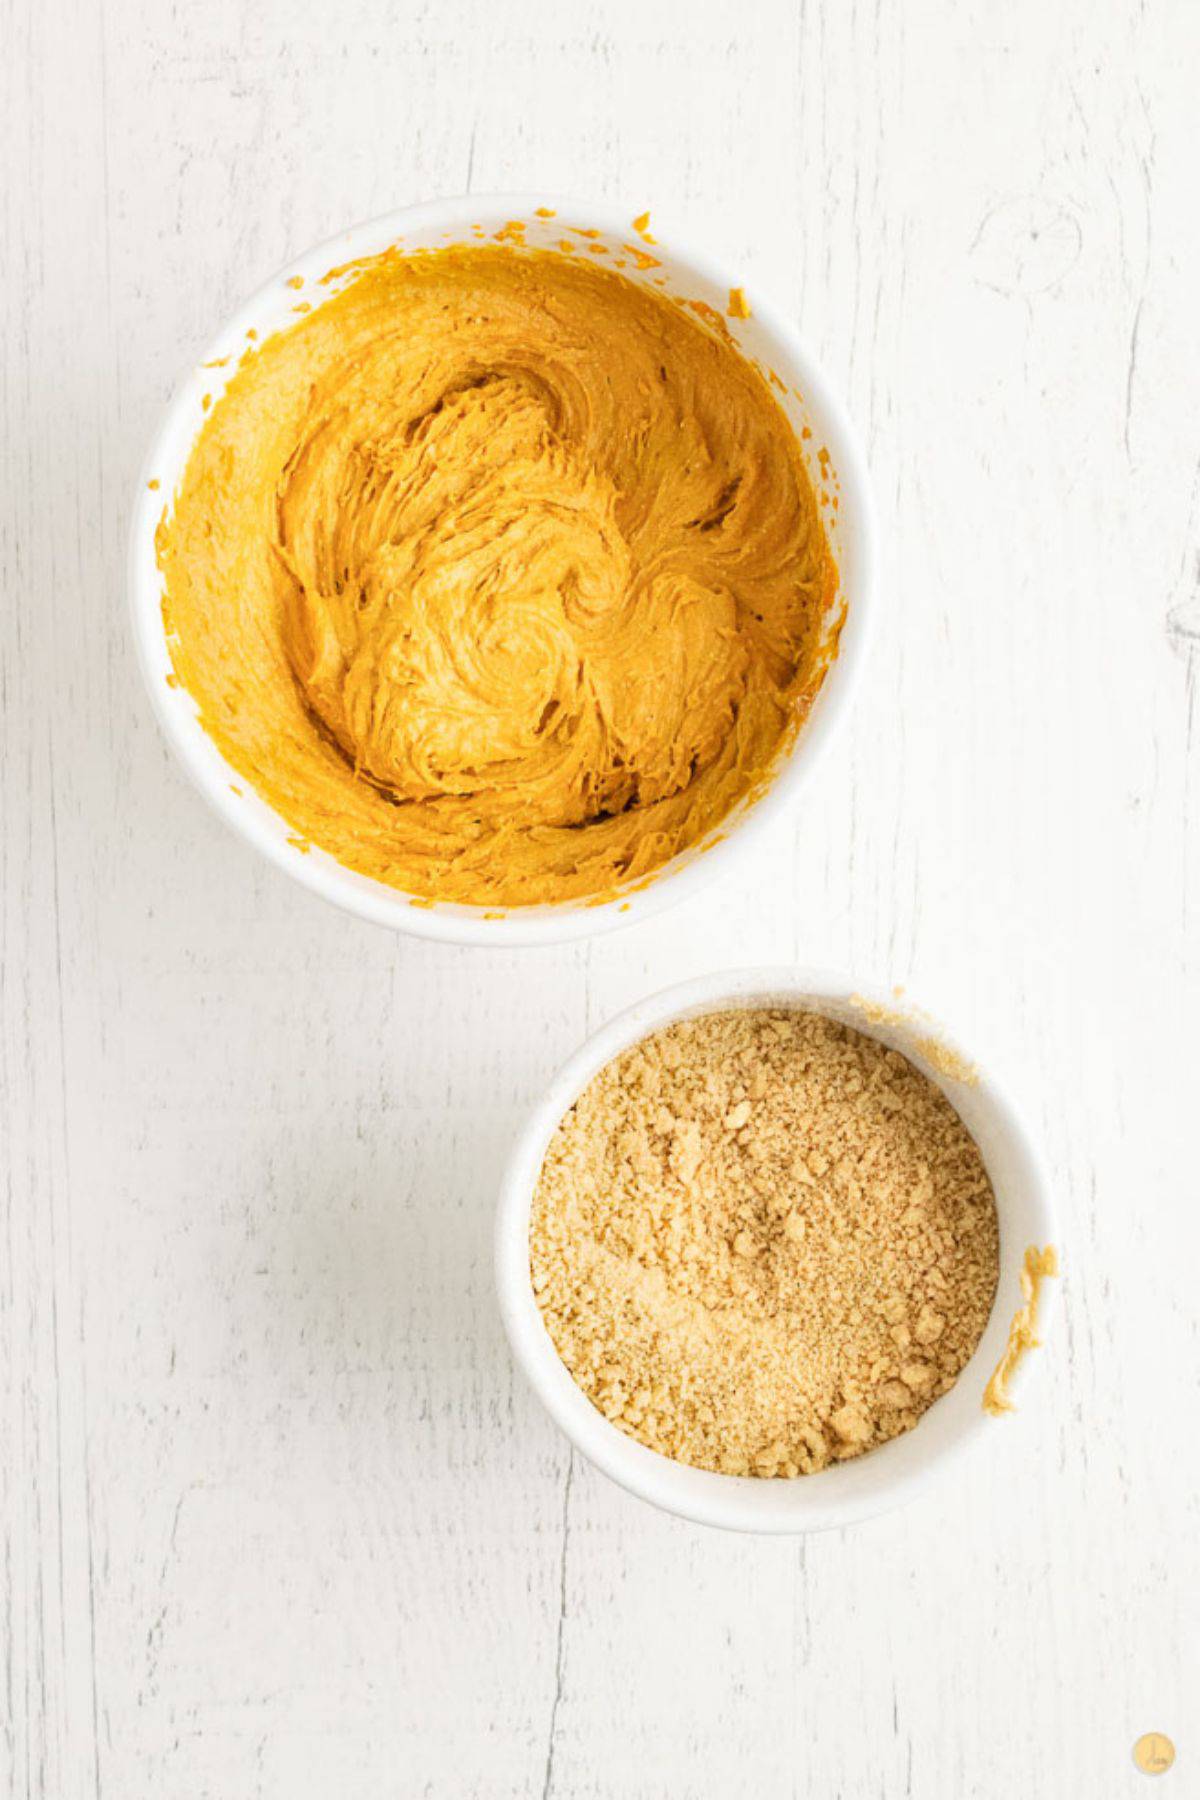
x=847 y=1491
x=828 y=448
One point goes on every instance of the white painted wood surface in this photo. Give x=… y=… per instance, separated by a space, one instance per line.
x=278 y=1519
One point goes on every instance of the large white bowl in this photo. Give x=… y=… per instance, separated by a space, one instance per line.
x=767 y=335
x=845 y=1492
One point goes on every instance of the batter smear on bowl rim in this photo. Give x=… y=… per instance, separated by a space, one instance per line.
x=499 y=577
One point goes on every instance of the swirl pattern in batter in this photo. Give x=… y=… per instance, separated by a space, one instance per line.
x=498 y=576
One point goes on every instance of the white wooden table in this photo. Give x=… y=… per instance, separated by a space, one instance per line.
x=278 y=1518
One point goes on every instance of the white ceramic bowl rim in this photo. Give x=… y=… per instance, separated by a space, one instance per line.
x=892 y=1474
x=321 y=873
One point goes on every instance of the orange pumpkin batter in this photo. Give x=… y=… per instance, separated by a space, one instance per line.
x=498 y=576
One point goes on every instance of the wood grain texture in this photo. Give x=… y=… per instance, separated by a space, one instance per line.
x=276 y=1516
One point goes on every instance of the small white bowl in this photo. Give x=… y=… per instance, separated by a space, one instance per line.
x=845 y=1492
x=767 y=335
